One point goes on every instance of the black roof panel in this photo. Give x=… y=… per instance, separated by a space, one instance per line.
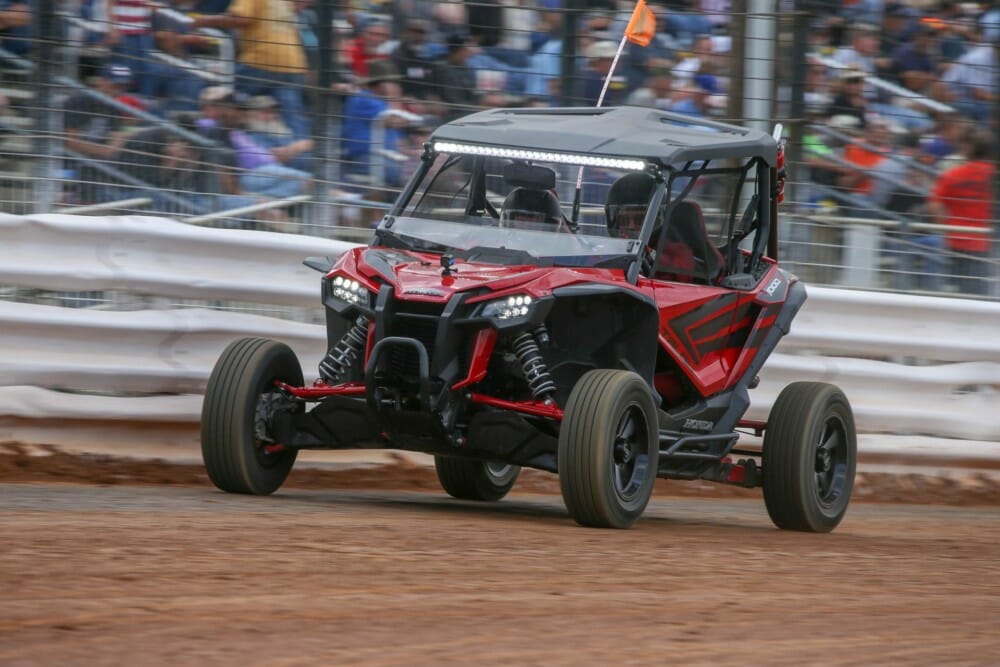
x=628 y=132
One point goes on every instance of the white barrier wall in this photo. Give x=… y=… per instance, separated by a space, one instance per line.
x=161 y=257
x=948 y=387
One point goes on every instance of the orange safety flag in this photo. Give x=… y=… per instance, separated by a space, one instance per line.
x=641 y=26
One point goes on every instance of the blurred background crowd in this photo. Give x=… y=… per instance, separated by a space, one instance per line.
x=296 y=115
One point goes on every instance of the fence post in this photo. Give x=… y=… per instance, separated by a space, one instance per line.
x=47 y=120
x=758 y=90
x=321 y=210
x=797 y=106
x=567 y=88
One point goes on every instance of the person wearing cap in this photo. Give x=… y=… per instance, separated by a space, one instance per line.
x=374 y=33
x=265 y=127
x=861 y=52
x=411 y=60
x=130 y=38
x=657 y=90
x=849 y=98
x=271 y=59
x=899 y=24
x=380 y=93
x=697 y=99
x=599 y=58
x=263 y=117
x=247 y=164
x=916 y=64
x=454 y=81
x=94 y=129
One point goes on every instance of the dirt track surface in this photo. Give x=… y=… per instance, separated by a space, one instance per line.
x=182 y=574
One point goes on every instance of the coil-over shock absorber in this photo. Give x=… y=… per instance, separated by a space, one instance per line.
x=535 y=370
x=342 y=356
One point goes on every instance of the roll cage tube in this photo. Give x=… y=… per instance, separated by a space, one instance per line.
x=772 y=211
x=648 y=225
x=426 y=160
x=766 y=242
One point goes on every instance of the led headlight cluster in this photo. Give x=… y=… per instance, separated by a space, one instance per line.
x=509 y=308
x=349 y=290
x=541 y=156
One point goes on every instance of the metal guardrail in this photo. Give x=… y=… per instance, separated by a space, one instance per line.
x=246 y=210
x=121 y=204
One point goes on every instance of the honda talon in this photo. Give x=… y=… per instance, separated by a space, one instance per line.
x=586 y=291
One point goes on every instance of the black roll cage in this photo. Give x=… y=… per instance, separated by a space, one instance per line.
x=665 y=176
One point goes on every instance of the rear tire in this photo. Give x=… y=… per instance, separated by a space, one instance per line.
x=231 y=419
x=809 y=457
x=473 y=479
x=609 y=449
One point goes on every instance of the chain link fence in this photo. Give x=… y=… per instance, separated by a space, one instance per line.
x=307 y=116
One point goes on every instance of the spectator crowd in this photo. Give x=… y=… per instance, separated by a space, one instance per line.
x=899 y=98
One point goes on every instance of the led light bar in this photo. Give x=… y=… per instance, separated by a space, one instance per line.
x=541 y=156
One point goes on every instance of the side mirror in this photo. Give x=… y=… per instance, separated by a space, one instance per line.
x=321 y=264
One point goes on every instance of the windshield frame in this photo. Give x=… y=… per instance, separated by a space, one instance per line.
x=660 y=206
x=389 y=231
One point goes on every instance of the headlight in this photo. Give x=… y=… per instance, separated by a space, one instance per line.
x=509 y=307
x=350 y=291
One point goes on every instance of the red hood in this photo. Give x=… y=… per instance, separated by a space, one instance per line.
x=418 y=276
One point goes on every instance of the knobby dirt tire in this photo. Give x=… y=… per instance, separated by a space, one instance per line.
x=809 y=457
x=473 y=479
x=606 y=411
x=234 y=459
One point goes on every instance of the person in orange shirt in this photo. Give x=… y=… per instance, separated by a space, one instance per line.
x=271 y=59
x=864 y=158
x=963 y=197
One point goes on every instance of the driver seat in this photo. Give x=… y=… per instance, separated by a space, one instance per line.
x=688 y=254
x=530 y=205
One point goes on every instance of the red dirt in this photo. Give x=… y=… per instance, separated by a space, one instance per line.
x=19 y=463
x=140 y=562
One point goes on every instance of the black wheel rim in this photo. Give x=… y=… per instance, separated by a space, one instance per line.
x=261 y=440
x=630 y=453
x=830 y=462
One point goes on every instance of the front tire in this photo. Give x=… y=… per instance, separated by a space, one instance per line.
x=473 y=479
x=233 y=417
x=609 y=449
x=809 y=457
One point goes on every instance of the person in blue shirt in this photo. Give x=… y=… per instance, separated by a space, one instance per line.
x=362 y=112
x=16 y=31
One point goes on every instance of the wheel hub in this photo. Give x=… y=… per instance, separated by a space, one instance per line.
x=823 y=461
x=624 y=451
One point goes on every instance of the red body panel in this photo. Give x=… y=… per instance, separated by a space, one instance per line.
x=421 y=279
x=711 y=332
x=482 y=349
